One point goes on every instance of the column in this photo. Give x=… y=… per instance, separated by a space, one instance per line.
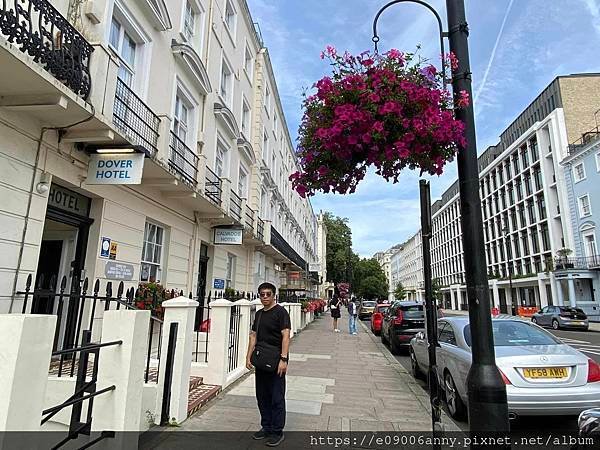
x=25 y=355
x=559 y=293
x=179 y=310
x=244 y=330
x=495 y=294
x=542 y=292
x=572 y=294
x=218 y=342
x=288 y=308
x=121 y=366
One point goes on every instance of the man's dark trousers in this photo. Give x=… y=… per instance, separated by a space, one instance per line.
x=270 y=395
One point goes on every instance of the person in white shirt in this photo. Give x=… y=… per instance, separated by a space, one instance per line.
x=352 y=316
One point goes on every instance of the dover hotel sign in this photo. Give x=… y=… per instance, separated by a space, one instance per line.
x=116 y=169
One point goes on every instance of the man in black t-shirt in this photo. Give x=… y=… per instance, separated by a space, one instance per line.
x=271 y=328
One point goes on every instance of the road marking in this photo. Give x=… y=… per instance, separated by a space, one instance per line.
x=574 y=341
x=589 y=351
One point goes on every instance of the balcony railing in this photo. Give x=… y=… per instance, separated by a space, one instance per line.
x=260 y=229
x=589 y=136
x=183 y=160
x=579 y=263
x=235 y=206
x=286 y=249
x=213 y=187
x=40 y=31
x=249 y=218
x=135 y=119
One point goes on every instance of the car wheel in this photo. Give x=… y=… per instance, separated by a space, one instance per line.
x=456 y=407
x=414 y=366
x=555 y=324
x=534 y=320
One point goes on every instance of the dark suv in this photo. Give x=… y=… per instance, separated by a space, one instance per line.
x=400 y=323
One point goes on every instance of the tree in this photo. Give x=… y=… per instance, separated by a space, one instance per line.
x=340 y=257
x=399 y=292
x=369 y=280
x=436 y=290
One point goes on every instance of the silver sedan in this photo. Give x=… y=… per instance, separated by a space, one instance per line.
x=543 y=376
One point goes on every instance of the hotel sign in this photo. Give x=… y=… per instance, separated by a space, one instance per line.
x=67 y=200
x=228 y=236
x=116 y=169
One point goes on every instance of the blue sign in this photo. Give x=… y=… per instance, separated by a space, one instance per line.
x=105 y=248
x=219 y=284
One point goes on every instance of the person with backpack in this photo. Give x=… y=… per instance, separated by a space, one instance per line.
x=334 y=306
x=352 y=316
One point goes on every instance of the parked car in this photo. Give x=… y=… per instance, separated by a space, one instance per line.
x=543 y=376
x=400 y=323
x=561 y=317
x=377 y=317
x=366 y=309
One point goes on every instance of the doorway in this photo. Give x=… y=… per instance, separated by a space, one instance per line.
x=201 y=288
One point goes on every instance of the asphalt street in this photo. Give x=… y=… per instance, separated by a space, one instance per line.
x=587 y=342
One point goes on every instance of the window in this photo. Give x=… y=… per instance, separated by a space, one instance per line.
x=265 y=149
x=585 y=209
x=230 y=271
x=589 y=244
x=226 y=88
x=446 y=334
x=152 y=251
x=189 y=22
x=263 y=203
x=249 y=63
x=243 y=182
x=180 y=121
x=221 y=160
x=230 y=17
x=267 y=99
x=275 y=124
x=125 y=47
x=245 y=118
x=579 y=172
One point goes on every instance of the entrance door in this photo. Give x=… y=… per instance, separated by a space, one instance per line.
x=47 y=276
x=503 y=308
x=201 y=289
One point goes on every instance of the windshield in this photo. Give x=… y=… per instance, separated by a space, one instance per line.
x=512 y=333
x=571 y=310
x=382 y=309
x=368 y=304
x=413 y=312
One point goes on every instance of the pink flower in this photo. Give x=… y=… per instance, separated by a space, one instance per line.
x=396 y=54
x=378 y=126
x=366 y=138
x=367 y=62
x=462 y=100
x=322 y=171
x=374 y=97
x=301 y=190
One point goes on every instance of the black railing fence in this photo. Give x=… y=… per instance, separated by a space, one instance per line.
x=586 y=138
x=40 y=31
x=183 y=160
x=135 y=119
x=260 y=229
x=234 y=338
x=235 y=206
x=249 y=218
x=213 y=188
x=580 y=262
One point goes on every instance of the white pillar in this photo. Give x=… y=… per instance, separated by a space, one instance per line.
x=288 y=308
x=179 y=310
x=559 y=293
x=25 y=350
x=542 y=290
x=297 y=323
x=218 y=342
x=121 y=366
x=244 y=331
x=572 y=294
x=496 y=294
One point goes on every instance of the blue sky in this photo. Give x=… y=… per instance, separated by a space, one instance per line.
x=517 y=48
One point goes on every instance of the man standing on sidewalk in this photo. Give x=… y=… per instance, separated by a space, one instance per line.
x=270 y=335
x=352 y=316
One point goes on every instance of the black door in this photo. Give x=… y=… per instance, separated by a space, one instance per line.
x=47 y=275
x=503 y=308
x=201 y=289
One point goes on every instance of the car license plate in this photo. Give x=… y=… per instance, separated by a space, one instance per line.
x=545 y=372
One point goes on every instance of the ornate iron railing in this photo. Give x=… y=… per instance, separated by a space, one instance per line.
x=286 y=249
x=40 y=31
x=135 y=119
x=234 y=338
x=260 y=229
x=183 y=160
x=213 y=187
x=249 y=218
x=592 y=135
x=579 y=263
x=235 y=206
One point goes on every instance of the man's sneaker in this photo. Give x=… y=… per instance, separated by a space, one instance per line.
x=261 y=434
x=274 y=440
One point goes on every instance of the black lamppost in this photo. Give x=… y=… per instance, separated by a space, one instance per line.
x=509 y=265
x=487 y=407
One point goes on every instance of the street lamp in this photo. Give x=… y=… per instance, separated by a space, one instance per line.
x=509 y=264
x=488 y=409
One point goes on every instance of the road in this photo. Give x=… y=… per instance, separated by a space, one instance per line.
x=587 y=342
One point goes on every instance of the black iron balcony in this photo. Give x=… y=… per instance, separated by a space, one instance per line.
x=578 y=263
x=235 y=206
x=286 y=249
x=41 y=32
x=183 y=160
x=135 y=119
x=213 y=187
x=249 y=218
x=260 y=229
x=588 y=137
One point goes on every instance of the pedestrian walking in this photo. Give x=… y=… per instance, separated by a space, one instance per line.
x=352 y=316
x=268 y=353
x=336 y=303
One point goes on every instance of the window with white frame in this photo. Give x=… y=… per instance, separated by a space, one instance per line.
x=267 y=99
x=125 y=46
x=245 y=118
x=152 y=253
x=589 y=243
x=275 y=124
x=230 y=270
x=243 y=182
x=181 y=118
x=221 y=160
x=265 y=147
x=585 y=209
x=579 y=172
x=249 y=62
x=226 y=87
x=189 y=22
x=263 y=203
x=230 y=16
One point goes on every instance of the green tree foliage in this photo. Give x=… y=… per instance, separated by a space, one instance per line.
x=400 y=292
x=436 y=288
x=340 y=257
x=369 y=280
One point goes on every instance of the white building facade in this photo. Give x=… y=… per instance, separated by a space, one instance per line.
x=184 y=88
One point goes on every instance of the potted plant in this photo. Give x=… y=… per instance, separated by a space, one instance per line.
x=563 y=256
x=150 y=296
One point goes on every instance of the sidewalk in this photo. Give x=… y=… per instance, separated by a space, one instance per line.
x=335 y=383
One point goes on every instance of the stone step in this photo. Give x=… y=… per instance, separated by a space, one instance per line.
x=200 y=396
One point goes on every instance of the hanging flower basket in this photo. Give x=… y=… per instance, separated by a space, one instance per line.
x=387 y=110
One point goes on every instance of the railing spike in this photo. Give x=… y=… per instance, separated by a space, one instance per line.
x=120 y=290
x=63 y=283
x=52 y=284
x=85 y=285
x=40 y=281
x=190 y=296
x=28 y=282
x=96 y=287
x=109 y=289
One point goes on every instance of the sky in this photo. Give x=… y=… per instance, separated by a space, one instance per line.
x=517 y=47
